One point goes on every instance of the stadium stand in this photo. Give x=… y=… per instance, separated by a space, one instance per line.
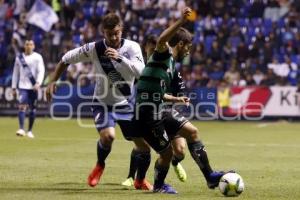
x=246 y=42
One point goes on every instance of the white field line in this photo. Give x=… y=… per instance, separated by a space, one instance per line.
x=263 y=125
x=255 y=145
x=266 y=124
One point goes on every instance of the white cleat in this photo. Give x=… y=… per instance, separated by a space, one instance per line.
x=30 y=134
x=20 y=133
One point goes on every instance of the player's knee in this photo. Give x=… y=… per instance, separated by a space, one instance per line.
x=107 y=139
x=193 y=134
x=22 y=107
x=179 y=151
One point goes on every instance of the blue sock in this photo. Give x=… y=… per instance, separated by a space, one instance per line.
x=21 y=119
x=31 y=119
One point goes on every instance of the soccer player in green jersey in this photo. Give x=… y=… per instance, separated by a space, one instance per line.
x=172 y=124
x=152 y=96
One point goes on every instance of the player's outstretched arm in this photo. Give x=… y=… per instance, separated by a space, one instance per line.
x=161 y=45
x=80 y=54
x=60 y=68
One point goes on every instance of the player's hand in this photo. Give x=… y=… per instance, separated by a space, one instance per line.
x=51 y=89
x=36 y=87
x=186 y=12
x=112 y=53
x=14 y=93
x=183 y=99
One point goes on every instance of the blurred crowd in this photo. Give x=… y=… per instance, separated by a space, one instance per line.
x=237 y=42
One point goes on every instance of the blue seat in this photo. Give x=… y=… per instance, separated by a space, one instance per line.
x=38 y=37
x=281 y=23
x=281 y=56
x=208 y=43
x=219 y=21
x=242 y=22
x=256 y=22
x=295 y=59
x=100 y=11
x=268 y=23
x=87 y=10
x=76 y=39
x=251 y=31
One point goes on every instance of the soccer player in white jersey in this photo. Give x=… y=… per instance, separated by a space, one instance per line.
x=28 y=75
x=118 y=62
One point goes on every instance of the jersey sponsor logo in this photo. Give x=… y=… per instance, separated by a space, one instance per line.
x=139 y=58
x=84 y=49
x=126 y=55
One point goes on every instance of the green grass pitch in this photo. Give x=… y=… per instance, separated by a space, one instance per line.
x=56 y=163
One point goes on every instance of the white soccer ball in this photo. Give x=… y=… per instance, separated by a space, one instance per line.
x=231 y=185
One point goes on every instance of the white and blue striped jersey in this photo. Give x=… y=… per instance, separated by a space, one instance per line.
x=36 y=65
x=130 y=68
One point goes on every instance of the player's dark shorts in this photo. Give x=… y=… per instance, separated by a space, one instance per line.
x=28 y=97
x=158 y=129
x=108 y=116
x=173 y=122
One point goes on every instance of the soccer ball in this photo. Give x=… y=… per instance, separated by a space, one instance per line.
x=231 y=185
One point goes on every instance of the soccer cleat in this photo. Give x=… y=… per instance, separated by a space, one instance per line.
x=165 y=188
x=30 y=134
x=20 y=132
x=128 y=182
x=142 y=185
x=180 y=172
x=95 y=175
x=214 y=178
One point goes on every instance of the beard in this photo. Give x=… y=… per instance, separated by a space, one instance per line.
x=114 y=44
x=180 y=58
